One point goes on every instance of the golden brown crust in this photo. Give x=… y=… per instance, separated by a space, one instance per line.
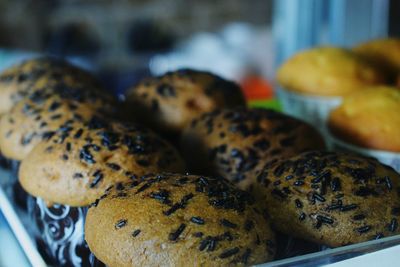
x=23 y=79
x=237 y=143
x=369 y=119
x=327 y=71
x=43 y=112
x=333 y=199
x=169 y=102
x=178 y=220
x=76 y=164
x=384 y=53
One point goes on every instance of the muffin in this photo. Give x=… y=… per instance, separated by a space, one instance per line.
x=368 y=122
x=169 y=102
x=38 y=115
x=384 y=53
x=178 y=220
x=71 y=169
x=313 y=82
x=331 y=198
x=20 y=80
x=237 y=143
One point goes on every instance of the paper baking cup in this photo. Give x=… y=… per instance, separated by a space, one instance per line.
x=312 y=109
x=389 y=158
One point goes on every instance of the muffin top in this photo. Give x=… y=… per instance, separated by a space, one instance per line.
x=237 y=143
x=327 y=71
x=384 y=53
x=75 y=165
x=333 y=199
x=38 y=115
x=369 y=119
x=172 y=100
x=178 y=220
x=22 y=79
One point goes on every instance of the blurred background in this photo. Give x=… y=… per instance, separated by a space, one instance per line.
x=123 y=41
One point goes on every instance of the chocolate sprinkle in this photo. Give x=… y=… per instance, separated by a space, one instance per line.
x=229 y=252
x=228 y=223
x=363 y=229
x=197 y=220
x=136 y=233
x=121 y=223
x=173 y=236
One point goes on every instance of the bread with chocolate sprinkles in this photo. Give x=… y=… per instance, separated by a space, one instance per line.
x=38 y=115
x=24 y=78
x=169 y=102
x=237 y=143
x=333 y=199
x=80 y=160
x=178 y=220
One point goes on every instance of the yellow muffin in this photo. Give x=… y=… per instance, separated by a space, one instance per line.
x=327 y=71
x=384 y=53
x=370 y=119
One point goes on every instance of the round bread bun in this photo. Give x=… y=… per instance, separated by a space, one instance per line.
x=22 y=79
x=328 y=71
x=369 y=119
x=76 y=164
x=37 y=116
x=178 y=220
x=169 y=102
x=331 y=198
x=384 y=53
x=237 y=143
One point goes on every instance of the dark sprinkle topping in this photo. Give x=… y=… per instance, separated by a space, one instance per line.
x=136 y=233
x=77 y=175
x=349 y=207
x=113 y=166
x=161 y=196
x=229 y=252
x=318 y=197
x=228 y=223
x=248 y=225
x=396 y=211
x=197 y=220
x=180 y=205
x=173 y=236
x=388 y=183
x=324 y=219
x=335 y=184
x=393 y=225
x=298 y=203
x=98 y=176
x=363 y=229
x=359 y=217
x=246 y=256
x=198 y=234
x=121 y=223
x=302 y=216
x=298 y=183
x=78 y=134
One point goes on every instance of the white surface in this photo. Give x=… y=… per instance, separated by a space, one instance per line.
x=387 y=257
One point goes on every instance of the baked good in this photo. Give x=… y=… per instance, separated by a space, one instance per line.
x=331 y=198
x=178 y=220
x=384 y=53
x=22 y=79
x=38 y=115
x=169 y=102
x=237 y=143
x=327 y=71
x=66 y=172
x=75 y=165
x=369 y=119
